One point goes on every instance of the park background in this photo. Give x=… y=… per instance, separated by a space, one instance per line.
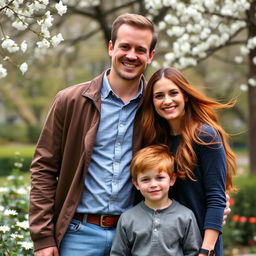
x=213 y=42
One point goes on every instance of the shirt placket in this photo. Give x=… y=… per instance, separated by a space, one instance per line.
x=117 y=155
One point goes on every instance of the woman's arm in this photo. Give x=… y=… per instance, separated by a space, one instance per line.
x=212 y=161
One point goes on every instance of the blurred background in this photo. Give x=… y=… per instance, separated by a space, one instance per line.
x=213 y=42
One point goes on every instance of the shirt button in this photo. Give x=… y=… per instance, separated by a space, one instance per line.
x=121 y=125
x=155 y=230
x=118 y=143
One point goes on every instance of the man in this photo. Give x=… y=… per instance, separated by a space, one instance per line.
x=80 y=171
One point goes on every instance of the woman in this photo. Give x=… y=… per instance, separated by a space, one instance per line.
x=176 y=114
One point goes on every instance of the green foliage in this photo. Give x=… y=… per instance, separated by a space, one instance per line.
x=241 y=225
x=19 y=132
x=14 y=233
x=9 y=154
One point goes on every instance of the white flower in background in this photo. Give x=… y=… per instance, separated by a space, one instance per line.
x=22 y=191
x=3 y=71
x=252 y=82
x=24 y=46
x=251 y=43
x=239 y=59
x=4 y=229
x=244 y=50
x=23 y=224
x=45 y=2
x=18 y=164
x=254 y=60
x=45 y=31
x=57 y=39
x=20 y=24
x=23 y=69
x=9 y=212
x=61 y=8
x=26 y=245
x=43 y=44
x=10 y=45
x=243 y=87
x=15 y=236
x=161 y=25
x=3 y=190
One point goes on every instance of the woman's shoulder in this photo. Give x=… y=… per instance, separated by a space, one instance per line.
x=207 y=133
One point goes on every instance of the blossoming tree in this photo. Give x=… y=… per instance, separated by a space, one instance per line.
x=196 y=29
x=193 y=31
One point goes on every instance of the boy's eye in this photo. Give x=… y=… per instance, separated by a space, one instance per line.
x=145 y=179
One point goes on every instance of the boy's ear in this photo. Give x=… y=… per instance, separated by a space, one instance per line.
x=135 y=183
x=173 y=179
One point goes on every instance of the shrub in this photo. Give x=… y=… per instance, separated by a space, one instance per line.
x=14 y=234
x=241 y=225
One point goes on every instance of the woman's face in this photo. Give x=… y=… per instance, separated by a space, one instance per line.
x=169 y=101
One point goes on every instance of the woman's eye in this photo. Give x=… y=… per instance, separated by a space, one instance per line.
x=173 y=93
x=159 y=96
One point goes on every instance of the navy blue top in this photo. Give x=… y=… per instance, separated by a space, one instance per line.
x=205 y=196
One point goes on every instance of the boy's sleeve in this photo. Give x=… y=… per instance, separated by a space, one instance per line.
x=120 y=246
x=192 y=240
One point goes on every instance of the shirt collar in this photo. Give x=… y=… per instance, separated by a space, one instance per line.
x=106 y=88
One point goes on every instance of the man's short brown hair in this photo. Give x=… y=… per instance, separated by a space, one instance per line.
x=155 y=157
x=137 y=21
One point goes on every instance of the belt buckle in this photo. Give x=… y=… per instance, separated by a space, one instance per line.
x=102 y=216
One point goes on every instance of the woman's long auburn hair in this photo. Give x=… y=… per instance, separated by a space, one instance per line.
x=199 y=110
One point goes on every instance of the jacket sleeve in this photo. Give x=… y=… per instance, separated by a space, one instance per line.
x=44 y=172
x=192 y=240
x=120 y=246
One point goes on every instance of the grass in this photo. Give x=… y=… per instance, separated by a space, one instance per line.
x=10 y=150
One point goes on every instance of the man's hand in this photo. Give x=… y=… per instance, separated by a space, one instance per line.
x=49 y=251
x=227 y=210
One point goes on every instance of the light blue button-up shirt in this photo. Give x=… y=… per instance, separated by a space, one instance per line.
x=108 y=187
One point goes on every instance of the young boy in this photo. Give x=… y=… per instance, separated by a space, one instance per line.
x=158 y=226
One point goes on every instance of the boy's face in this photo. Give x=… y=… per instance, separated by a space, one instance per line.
x=154 y=186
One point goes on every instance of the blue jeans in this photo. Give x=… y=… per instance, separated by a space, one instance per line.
x=85 y=239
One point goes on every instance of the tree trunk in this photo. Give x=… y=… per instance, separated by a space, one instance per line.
x=252 y=92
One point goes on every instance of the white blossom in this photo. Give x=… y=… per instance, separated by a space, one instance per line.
x=244 y=50
x=43 y=44
x=4 y=229
x=10 y=45
x=239 y=59
x=15 y=236
x=254 y=60
x=252 y=82
x=20 y=24
x=9 y=212
x=24 y=46
x=243 y=87
x=251 y=44
x=3 y=71
x=56 y=40
x=61 y=8
x=23 y=69
x=23 y=224
x=26 y=245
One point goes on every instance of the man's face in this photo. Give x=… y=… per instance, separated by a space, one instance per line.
x=130 y=53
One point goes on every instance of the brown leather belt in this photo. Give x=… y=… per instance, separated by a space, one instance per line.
x=103 y=220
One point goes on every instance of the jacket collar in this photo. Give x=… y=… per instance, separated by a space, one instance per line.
x=93 y=88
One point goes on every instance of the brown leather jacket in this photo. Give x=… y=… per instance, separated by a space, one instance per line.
x=61 y=160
